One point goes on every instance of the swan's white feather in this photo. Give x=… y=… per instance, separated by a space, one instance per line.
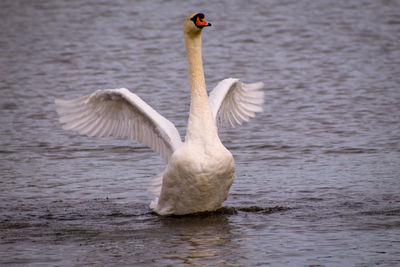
x=122 y=114
x=232 y=102
x=156 y=184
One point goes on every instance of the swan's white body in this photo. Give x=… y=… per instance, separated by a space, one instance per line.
x=200 y=170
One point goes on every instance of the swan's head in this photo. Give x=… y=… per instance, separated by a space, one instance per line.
x=194 y=23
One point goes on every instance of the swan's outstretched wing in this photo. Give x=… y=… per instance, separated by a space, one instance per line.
x=233 y=101
x=122 y=114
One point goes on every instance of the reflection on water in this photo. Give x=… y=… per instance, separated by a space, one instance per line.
x=317 y=175
x=203 y=240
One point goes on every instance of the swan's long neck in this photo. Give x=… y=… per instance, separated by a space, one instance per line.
x=201 y=124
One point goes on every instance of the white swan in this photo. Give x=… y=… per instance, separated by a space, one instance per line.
x=200 y=170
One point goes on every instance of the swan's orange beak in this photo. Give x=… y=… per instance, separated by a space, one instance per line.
x=202 y=23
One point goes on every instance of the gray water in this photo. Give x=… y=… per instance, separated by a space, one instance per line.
x=317 y=173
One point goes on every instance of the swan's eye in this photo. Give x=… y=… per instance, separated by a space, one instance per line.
x=199 y=21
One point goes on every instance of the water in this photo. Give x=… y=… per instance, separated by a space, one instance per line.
x=318 y=171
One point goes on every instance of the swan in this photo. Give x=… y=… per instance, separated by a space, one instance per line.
x=200 y=170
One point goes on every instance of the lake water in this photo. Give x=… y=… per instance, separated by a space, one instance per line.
x=317 y=173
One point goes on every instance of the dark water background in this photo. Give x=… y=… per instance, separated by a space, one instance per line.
x=318 y=171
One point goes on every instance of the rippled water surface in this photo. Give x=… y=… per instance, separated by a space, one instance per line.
x=317 y=179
